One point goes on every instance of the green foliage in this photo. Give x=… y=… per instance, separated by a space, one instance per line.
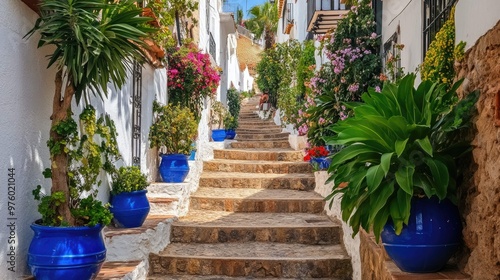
x=264 y=21
x=354 y=66
x=233 y=102
x=93 y=211
x=95 y=41
x=128 y=179
x=174 y=128
x=94 y=151
x=439 y=59
x=48 y=205
x=400 y=143
x=270 y=72
x=298 y=64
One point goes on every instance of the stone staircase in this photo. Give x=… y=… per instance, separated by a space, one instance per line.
x=254 y=215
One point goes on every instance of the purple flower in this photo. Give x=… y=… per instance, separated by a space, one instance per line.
x=353 y=87
x=377 y=89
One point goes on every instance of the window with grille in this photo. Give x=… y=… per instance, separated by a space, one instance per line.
x=136 y=113
x=208 y=16
x=436 y=12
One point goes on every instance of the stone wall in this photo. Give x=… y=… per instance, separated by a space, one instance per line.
x=481 y=190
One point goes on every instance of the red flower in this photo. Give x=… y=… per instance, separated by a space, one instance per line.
x=320 y=151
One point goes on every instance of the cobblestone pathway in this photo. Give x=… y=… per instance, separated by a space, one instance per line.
x=254 y=216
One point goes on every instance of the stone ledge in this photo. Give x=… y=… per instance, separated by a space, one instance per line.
x=123 y=270
x=135 y=244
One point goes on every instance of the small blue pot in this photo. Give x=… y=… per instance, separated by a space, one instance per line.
x=321 y=162
x=230 y=134
x=174 y=168
x=192 y=155
x=66 y=252
x=218 y=135
x=432 y=236
x=130 y=209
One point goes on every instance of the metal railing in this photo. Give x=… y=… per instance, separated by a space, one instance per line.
x=323 y=5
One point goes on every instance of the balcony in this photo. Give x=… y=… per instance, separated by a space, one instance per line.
x=323 y=15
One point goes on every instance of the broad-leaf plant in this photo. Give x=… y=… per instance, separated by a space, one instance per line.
x=400 y=143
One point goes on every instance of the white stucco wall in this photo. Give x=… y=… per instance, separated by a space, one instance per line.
x=246 y=80
x=233 y=67
x=406 y=14
x=26 y=104
x=474 y=18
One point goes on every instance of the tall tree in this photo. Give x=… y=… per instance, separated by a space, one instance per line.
x=239 y=16
x=264 y=20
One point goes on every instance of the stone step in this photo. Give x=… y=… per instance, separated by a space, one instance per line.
x=263 y=136
x=219 y=226
x=297 y=181
x=275 y=129
x=261 y=144
x=257 y=200
x=269 y=154
x=253 y=259
x=122 y=270
x=257 y=125
x=248 y=166
x=222 y=277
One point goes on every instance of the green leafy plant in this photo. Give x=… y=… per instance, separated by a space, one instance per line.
x=128 y=179
x=94 y=42
x=400 y=143
x=174 y=128
x=354 y=65
x=233 y=102
x=89 y=152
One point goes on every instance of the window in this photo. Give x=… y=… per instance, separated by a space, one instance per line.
x=208 y=16
x=436 y=12
x=392 y=57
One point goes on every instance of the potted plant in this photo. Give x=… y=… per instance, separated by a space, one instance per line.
x=87 y=59
x=129 y=203
x=218 y=114
x=174 y=128
x=318 y=157
x=230 y=123
x=397 y=173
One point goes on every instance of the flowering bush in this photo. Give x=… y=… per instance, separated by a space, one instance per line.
x=439 y=59
x=316 y=152
x=191 y=78
x=354 y=66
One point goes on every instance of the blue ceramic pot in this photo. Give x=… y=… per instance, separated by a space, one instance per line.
x=230 y=133
x=174 y=168
x=130 y=209
x=218 y=135
x=433 y=234
x=66 y=252
x=321 y=162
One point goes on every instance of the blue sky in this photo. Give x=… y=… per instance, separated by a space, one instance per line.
x=245 y=5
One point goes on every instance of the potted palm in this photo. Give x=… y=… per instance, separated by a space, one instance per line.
x=174 y=129
x=129 y=203
x=219 y=112
x=397 y=173
x=84 y=36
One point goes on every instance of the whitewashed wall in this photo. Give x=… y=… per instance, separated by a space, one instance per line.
x=246 y=80
x=406 y=14
x=25 y=106
x=475 y=18
x=233 y=67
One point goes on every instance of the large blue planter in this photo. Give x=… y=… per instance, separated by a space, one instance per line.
x=218 y=135
x=230 y=134
x=174 y=168
x=432 y=236
x=130 y=209
x=66 y=252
